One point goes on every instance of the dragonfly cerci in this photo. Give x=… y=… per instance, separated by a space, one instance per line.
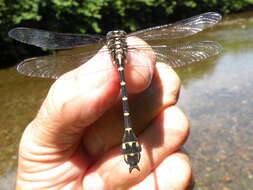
x=174 y=54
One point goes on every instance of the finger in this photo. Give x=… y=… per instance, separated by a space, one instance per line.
x=139 y=73
x=163 y=137
x=75 y=101
x=174 y=172
x=144 y=107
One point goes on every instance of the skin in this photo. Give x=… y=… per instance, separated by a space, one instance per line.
x=74 y=141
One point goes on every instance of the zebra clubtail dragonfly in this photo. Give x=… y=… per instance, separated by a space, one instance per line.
x=173 y=54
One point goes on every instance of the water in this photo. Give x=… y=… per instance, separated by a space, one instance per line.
x=219 y=104
x=216 y=97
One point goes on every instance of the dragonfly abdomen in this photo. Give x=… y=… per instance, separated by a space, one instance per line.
x=130 y=146
x=116 y=43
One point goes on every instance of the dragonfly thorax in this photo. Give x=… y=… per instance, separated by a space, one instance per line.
x=116 y=43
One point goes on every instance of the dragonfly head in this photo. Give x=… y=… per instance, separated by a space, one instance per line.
x=116 y=34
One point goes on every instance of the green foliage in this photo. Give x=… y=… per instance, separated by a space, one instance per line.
x=229 y=6
x=15 y=13
x=99 y=16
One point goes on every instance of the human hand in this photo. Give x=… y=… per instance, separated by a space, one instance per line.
x=74 y=141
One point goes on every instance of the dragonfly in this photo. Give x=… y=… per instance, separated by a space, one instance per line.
x=173 y=54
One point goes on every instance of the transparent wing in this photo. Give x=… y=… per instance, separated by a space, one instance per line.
x=53 y=66
x=175 y=55
x=53 y=40
x=181 y=54
x=179 y=29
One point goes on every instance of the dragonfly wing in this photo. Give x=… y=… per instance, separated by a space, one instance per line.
x=53 y=40
x=179 y=29
x=179 y=55
x=53 y=66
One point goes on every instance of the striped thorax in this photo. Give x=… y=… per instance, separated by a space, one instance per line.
x=116 y=43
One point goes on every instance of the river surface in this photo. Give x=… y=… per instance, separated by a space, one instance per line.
x=217 y=97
